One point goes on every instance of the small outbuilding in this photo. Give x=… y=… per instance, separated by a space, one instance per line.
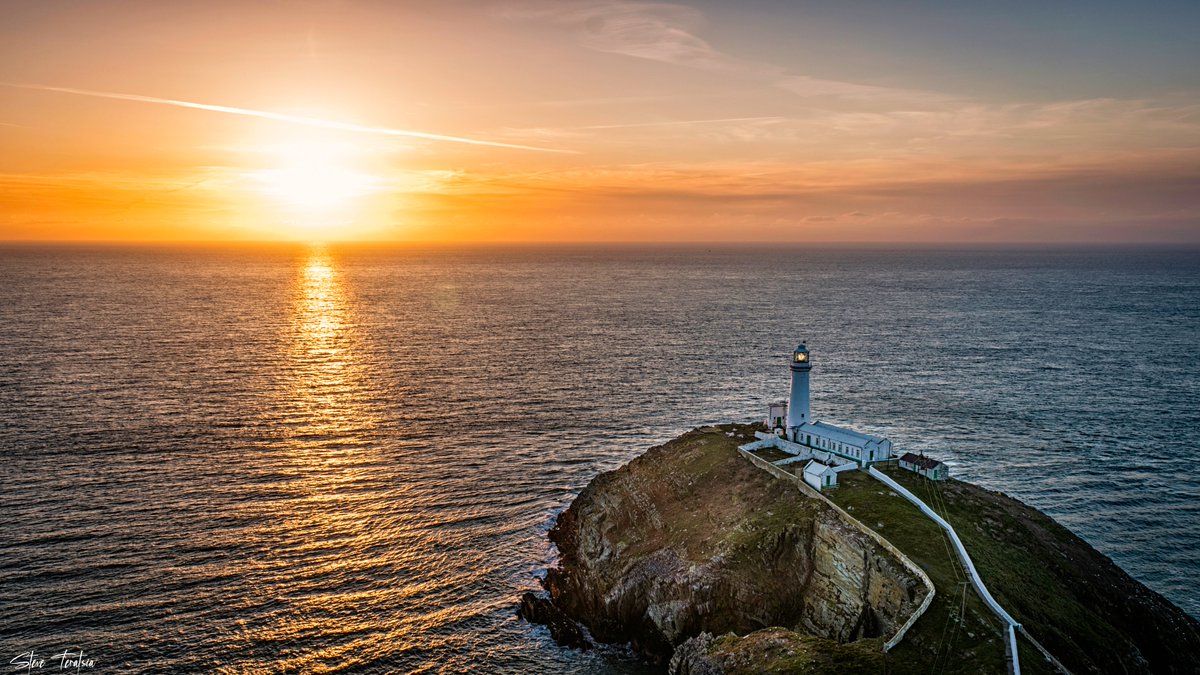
x=926 y=466
x=776 y=415
x=820 y=476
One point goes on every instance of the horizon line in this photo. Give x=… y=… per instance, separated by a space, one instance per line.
x=383 y=243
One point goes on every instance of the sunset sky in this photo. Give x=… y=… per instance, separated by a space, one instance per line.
x=536 y=121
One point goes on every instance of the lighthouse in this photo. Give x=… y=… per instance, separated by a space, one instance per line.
x=822 y=440
x=797 y=411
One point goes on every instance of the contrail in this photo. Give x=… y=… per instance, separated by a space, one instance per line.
x=281 y=117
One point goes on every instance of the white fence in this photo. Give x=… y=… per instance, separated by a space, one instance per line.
x=966 y=560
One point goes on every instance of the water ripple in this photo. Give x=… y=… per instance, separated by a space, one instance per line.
x=347 y=460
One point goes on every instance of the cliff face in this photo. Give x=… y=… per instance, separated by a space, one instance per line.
x=689 y=538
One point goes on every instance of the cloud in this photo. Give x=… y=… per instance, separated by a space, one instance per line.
x=667 y=33
x=877 y=201
x=848 y=120
x=281 y=117
x=672 y=123
x=580 y=132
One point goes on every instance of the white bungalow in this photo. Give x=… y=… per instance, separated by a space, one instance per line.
x=926 y=466
x=853 y=445
x=820 y=476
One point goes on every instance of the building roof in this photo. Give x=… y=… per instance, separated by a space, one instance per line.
x=839 y=434
x=920 y=460
x=816 y=468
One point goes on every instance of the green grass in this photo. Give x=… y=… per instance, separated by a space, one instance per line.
x=938 y=641
x=1022 y=556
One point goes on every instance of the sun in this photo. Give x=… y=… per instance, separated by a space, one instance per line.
x=315 y=178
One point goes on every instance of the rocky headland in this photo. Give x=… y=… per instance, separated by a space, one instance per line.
x=706 y=564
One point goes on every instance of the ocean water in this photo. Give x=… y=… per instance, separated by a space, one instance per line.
x=305 y=459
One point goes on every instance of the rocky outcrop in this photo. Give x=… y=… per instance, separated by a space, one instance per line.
x=697 y=558
x=773 y=650
x=537 y=609
x=690 y=538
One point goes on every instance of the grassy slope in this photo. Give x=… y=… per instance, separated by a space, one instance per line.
x=1075 y=601
x=937 y=641
x=708 y=503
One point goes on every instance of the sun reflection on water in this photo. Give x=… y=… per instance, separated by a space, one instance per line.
x=326 y=387
x=324 y=533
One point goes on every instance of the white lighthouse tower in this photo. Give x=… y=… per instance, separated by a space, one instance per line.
x=797 y=411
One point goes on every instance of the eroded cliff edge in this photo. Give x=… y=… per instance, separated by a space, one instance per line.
x=690 y=538
x=691 y=550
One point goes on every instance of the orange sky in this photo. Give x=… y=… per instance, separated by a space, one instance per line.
x=760 y=121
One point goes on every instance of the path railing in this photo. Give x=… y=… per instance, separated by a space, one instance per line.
x=976 y=581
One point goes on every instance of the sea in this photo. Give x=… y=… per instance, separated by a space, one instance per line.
x=346 y=458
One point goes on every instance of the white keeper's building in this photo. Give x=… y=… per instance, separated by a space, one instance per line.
x=799 y=427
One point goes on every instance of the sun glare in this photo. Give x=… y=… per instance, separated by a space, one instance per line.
x=315 y=177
